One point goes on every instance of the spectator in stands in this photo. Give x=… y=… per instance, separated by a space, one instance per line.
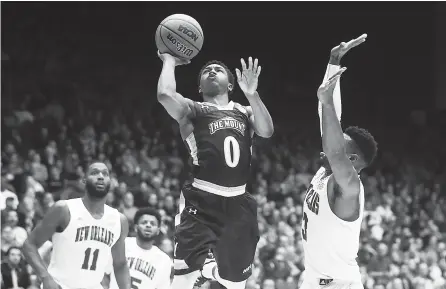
x=14 y=271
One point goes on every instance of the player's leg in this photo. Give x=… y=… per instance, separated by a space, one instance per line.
x=194 y=236
x=236 y=248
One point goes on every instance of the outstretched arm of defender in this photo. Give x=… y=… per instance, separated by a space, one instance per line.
x=55 y=220
x=333 y=67
x=120 y=266
x=176 y=105
x=333 y=142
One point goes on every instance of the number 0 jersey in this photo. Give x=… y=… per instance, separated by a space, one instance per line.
x=220 y=148
x=330 y=244
x=82 y=251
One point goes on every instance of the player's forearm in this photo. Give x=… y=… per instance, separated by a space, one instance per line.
x=122 y=275
x=32 y=256
x=332 y=69
x=263 y=123
x=167 y=84
x=333 y=142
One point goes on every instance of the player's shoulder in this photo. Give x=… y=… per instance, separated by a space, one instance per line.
x=61 y=207
x=130 y=241
x=243 y=109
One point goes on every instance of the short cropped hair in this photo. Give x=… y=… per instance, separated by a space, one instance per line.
x=228 y=71
x=147 y=211
x=365 y=142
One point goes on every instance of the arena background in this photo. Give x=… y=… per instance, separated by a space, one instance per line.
x=79 y=83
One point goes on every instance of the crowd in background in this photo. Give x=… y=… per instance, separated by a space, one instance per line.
x=45 y=153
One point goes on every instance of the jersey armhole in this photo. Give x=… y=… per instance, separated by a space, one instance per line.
x=192 y=106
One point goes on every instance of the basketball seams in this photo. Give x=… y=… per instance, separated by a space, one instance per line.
x=184 y=20
x=167 y=46
x=182 y=38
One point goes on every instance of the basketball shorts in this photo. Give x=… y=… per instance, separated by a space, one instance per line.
x=225 y=226
x=311 y=283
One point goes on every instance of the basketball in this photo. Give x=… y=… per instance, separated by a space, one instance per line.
x=179 y=35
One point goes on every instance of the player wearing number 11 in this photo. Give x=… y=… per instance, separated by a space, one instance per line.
x=86 y=234
x=216 y=207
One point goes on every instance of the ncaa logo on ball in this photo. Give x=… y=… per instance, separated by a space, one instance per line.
x=179 y=45
x=188 y=32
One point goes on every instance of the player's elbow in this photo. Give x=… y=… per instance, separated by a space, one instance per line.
x=28 y=246
x=164 y=95
x=119 y=265
x=266 y=133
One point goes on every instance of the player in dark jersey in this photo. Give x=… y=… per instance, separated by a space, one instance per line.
x=216 y=214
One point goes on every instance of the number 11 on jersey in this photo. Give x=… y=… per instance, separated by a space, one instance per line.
x=87 y=259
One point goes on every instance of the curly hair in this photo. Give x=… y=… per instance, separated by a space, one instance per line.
x=228 y=71
x=365 y=142
x=147 y=211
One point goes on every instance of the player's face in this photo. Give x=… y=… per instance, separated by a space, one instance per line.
x=352 y=156
x=214 y=80
x=98 y=180
x=147 y=228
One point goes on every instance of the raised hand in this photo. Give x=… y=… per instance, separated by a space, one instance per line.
x=169 y=57
x=325 y=91
x=339 y=51
x=248 y=78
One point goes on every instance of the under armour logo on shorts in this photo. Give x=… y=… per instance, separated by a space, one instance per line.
x=192 y=211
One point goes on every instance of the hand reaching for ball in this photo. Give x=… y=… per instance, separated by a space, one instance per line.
x=170 y=58
x=248 y=78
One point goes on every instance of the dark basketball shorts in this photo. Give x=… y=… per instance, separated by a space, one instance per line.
x=225 y=226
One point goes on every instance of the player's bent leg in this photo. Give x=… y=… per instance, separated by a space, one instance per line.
x=195 y=236
x=236 y=248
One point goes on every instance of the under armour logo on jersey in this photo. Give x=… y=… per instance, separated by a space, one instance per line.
x=192 y=211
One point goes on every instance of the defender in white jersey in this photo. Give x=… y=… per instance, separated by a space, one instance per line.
x=85 y=234
x=150 y=268
x=334 y=202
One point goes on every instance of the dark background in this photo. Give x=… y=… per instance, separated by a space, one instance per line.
x=388 y=76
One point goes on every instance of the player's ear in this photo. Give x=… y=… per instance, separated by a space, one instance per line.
x=353 y=157
x=199 y=89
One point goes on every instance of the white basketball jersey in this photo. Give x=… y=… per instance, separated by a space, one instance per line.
x=149 y=269
x=81 y=252
x=330 y=244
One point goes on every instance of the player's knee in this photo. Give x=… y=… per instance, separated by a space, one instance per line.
x=234 y=285
x=185 y=281
x=229 y=284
